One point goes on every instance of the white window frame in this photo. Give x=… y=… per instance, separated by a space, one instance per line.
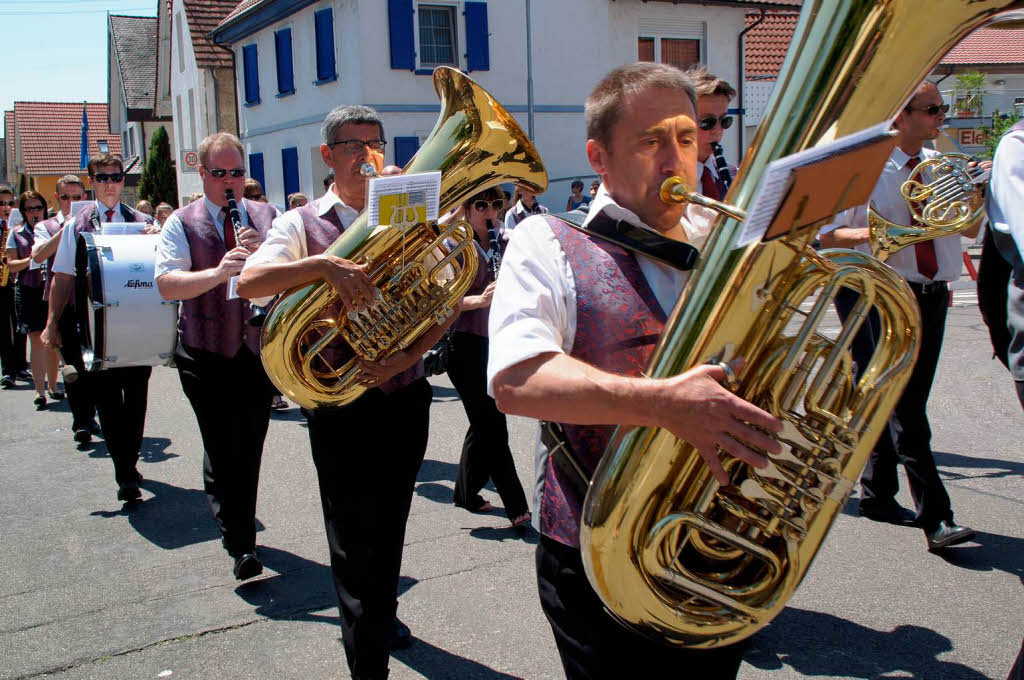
x=679 y=30
x=458 y=27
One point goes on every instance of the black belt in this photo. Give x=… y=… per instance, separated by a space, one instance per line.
x=930 y=287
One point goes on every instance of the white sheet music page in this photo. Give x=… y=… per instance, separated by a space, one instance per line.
x=393 y=192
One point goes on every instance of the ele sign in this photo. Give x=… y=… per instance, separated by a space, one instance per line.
x=971 y=136
x=189 y=160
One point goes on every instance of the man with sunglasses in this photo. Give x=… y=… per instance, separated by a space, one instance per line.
x=218 y=349
x=713 y=97
x=119 y=393
x=365 y=489
x=928 y=267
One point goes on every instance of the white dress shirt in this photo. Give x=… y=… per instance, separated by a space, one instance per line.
x=1006 y=189
x=64 y=260
x=888 y=202
x=173 y=253
x=286 y=240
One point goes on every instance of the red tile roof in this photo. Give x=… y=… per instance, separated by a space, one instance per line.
x=204 y=16
x=51 y=135
x=243 y=7
x=988 y=46
x=9 y=135
x=767 y=43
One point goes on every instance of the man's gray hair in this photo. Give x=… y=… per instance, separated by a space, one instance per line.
x=353 y=113
x=604 y=105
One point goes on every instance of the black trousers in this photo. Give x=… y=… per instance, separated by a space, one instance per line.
x=81 y=391
x=231 y=401
x=121 y=395
x=485 y=451
x=593 y=645
x=367 y=455
x=907 y=440
x=12 y=343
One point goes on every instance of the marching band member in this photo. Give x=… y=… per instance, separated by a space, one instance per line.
x=12 y=342
x=120 y=392
x=218 y=349
x=365 y=485
x=1006 y=212
x=713 y=97
x=928 y=268
x=526 y=205
x=28 y=296
x=573 y=322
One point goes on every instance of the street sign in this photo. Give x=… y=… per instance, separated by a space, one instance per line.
x=189 y=161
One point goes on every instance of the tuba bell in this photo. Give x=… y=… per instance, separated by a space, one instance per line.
x=671 y=552
x=475 y=144
x=945 y=197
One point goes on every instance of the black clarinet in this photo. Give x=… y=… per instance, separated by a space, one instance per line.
x=721 y=165
x=492 y=236
x=259 y=314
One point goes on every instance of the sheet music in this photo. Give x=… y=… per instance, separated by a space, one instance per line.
x=233 y=288
x=394 y=191
x=116 y=228
x=777 y=176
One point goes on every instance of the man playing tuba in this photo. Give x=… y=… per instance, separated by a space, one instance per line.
x=573 y=324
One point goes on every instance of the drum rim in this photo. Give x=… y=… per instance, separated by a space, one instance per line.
x=87 y=254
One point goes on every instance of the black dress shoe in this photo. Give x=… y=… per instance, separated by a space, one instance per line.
x=95 y=429
x=82 y=436
x=399 y=637
x=129 y=492
x=891 y=513
x=24 y=376
x=948 y=534
x=40 y=402
x=247 y=566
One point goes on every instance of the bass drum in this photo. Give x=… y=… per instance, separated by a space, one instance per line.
x=121 y=318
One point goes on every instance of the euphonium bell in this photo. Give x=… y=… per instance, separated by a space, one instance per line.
x=945 y=197
x=670 y=551
x=475 y=144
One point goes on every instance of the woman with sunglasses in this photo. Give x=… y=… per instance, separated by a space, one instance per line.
x=485 y=451
x=28 y=297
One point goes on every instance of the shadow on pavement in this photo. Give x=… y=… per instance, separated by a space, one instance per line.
x=445 y=393
x=815 y=644
x=434 y=471
x=506 y=533
x=154 y=449
x=298 y=589
x=998 y=467
x=434 y=662
x=994 y=552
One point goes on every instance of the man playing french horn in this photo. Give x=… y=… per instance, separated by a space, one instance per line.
x=573 y=324
x=366 y=482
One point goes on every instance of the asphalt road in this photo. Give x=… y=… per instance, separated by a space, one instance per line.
x=90 y=590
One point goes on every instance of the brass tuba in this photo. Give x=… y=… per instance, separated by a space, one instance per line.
x=670 y=551
x=475 y=144
x=945 y=197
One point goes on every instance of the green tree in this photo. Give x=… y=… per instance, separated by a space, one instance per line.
x=158 y=183
x=22 y=184
x=1001 y=122
x=969 y=92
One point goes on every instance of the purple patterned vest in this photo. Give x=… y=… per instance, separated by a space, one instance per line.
x=52 y=227
x=23 y=240
x=211 y=322
x=618 y=322
x=321 y=232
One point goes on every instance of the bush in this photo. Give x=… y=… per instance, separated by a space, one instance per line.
x=158 y=183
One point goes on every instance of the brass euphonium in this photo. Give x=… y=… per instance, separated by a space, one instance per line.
x=670 y=551
x=945 y=197
x=475 y=144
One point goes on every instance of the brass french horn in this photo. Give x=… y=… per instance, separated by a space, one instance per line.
x=670 y=551
x=475 y=144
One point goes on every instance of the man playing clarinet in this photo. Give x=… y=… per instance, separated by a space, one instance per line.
x=202 y=249
x=713 y=96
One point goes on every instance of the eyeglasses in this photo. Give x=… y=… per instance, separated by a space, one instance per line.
x=709 y=122
x=12 y=203
x=931 y=110
x=76 y=197
x=481 y=206
x=220 y=172
x=103 y=178
x=353 y=146
x=33 y=208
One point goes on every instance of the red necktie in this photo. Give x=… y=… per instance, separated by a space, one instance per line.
x=927 y=260
x=110 y=215
x=708 y=186
x=229 y=230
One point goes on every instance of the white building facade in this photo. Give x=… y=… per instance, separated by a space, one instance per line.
x=297 y=60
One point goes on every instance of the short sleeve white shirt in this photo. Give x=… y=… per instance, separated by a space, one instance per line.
x=173 y=252
x=1006 y=189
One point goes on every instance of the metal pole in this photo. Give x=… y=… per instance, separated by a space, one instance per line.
x=529 y=73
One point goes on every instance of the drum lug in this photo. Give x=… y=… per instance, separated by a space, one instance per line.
x=101 y=305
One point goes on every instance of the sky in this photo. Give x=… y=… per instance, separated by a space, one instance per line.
x=56 y=50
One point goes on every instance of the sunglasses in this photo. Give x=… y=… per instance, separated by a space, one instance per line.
x=931 y=110
x=33 y=208
x=353 y=146
x=220 y=172
x=103 y=177
x=481 y=206
x=709 y=122
x=12 y=203
x=76 y=197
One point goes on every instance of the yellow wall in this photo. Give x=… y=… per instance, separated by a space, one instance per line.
x=47 y=186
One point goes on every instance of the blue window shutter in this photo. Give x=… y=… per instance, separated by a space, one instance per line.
x=283 y=48
x=403 y=45
x=478 y=54
x=290 y=164
x=251 y=66
x=256 y=169
x=405 y=149
x=324 y=22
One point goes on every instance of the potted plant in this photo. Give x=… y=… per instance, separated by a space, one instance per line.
x=968 y=94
